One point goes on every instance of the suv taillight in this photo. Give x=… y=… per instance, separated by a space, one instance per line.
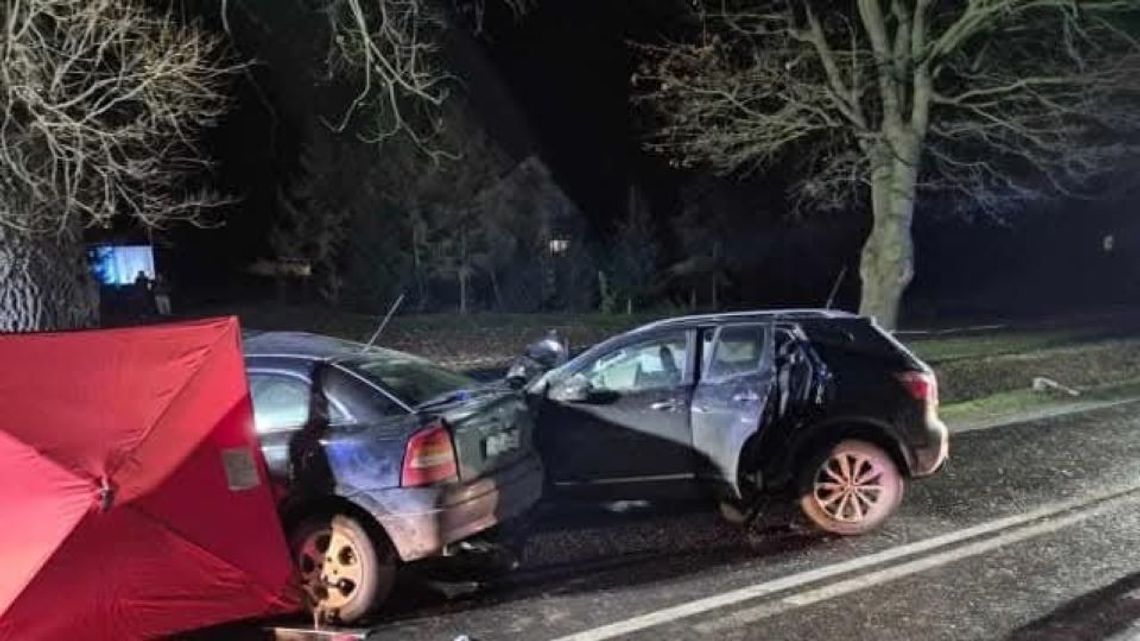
x=922 y=386
x=429 y=457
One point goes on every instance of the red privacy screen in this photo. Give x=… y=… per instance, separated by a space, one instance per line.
x=134 y=500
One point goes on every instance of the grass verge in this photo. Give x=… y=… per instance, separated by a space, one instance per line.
x=1012 y=405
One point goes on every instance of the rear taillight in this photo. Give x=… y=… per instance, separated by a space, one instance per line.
x=429 y=457
x=922 y=386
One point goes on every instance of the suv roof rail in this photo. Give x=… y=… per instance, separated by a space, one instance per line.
x=778 y=314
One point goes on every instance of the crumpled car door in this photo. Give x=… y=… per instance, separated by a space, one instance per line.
x=737 y=377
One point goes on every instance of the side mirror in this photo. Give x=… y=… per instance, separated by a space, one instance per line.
x=576 y=389
x=602 y=396
x=579 y=390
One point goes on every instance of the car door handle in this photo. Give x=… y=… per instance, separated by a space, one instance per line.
x=745 y=397
x=663 y=406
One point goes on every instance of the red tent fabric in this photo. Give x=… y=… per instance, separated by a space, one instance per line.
x=134 y=500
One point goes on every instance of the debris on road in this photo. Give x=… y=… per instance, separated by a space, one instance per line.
x=1044 y=384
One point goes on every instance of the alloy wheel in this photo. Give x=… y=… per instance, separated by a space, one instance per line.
x=330 y=567
x=849 y=486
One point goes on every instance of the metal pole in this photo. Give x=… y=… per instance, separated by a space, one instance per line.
x=384 y=323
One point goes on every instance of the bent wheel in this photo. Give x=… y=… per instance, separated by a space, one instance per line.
x=851 y=489
x=345 y=573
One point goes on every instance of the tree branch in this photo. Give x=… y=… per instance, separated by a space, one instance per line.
x=873 y=23
x=845 y=97
x=102 y=101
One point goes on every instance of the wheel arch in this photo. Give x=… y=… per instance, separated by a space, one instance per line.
x=780 y=460
x=827 y=433
x=296 y=511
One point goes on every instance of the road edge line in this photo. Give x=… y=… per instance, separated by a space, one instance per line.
x=912 y=567
x=767 y=588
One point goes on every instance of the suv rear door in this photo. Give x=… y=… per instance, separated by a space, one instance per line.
x=736 y=379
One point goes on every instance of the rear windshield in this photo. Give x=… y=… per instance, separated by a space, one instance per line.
x=412 y=380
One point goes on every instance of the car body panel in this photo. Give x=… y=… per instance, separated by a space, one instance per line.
x=421 y=522
x=727 y=410
x=480 y=420
x=645 y=433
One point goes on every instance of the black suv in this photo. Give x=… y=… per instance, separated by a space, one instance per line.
x=818 y=405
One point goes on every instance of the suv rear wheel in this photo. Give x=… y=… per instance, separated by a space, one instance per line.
x=345 y=572
x=851 y=488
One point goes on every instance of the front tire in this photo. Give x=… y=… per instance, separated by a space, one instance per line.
x=346 y=573
x=851 y=488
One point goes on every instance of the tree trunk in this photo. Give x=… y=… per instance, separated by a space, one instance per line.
x=715 y=277
x=887 y=264
x=45 y=283
x=495 y=289
x=462 y=291
x=418 y=241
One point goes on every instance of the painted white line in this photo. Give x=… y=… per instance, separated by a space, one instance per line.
x=733 y=597
x=1130 y=634
x=841 y=588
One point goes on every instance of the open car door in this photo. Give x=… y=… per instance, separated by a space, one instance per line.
x=737 y=377
x=619 y=426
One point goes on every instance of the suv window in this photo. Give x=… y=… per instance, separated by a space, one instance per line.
x=652 y=364
x=739 y=350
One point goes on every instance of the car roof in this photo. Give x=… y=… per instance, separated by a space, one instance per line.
x=705 y=320
x=309 y=346
x=751 y=315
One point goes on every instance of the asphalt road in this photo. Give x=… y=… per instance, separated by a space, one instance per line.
x=1031 y=532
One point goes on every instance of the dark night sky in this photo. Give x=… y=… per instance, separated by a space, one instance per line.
x=566 y=67
x=569 y=65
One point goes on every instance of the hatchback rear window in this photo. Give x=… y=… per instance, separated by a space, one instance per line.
x=412 y=380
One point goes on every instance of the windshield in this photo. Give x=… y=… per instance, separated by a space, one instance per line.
x=414 y=381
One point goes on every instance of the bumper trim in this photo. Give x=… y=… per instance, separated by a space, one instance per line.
x=928 y=460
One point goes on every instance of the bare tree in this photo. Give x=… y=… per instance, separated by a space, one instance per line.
x=100 y=105
x=395 y=48
x=993 y=102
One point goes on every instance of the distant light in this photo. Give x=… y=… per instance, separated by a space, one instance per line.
x=559 y=246
x=120 y=265
x=1109 y=243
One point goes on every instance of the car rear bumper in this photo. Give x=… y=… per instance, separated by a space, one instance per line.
x=421 y=521
x=932 y=456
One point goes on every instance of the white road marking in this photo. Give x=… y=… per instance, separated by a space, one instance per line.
x=733 y=597
x=1131 y=634
x=841 y=588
